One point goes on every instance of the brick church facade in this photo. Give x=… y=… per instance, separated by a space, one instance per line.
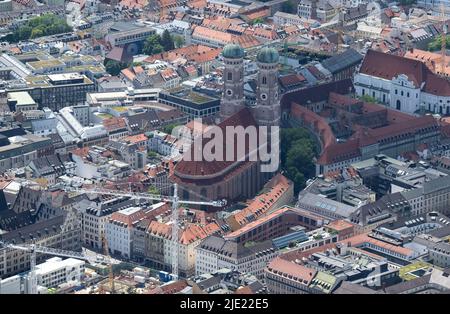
x=237 y=179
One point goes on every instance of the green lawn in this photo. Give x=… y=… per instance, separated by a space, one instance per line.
x=105 y=115
x=406 y=272
x=120 y=109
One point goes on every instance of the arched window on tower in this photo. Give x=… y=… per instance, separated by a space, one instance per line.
x=230 y=76
x=264 y=80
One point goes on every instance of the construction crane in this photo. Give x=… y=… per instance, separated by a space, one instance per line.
x=444 y=40
x=111 y=273
x=154 y=197
x=33 y=249
x=175 y=226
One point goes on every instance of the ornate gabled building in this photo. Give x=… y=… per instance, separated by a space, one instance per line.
x=404 y=84
x=52 y=222
x=235 y=179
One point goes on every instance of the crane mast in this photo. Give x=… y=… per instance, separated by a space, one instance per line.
x=174 y=216
x=111 y=273
x=145 y=196
x=32 y=286
x=33 y=249
x=175 y=246
x=444 y=40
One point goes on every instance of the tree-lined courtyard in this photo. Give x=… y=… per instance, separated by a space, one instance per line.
x=44 y=25
x=297 y=152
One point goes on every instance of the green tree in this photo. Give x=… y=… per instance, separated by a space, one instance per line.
x=290 y=136
x=178 y=40
x=150 y=43
x=288 y=7
x=437 y=42
x=158 y=49
x=153 y=190
x=167 y=41
x=297 y=151
x=24 y=32
x=36 y=32
x=257 y=21
x=44 y=25
x=367 y=98
x=152 y=155
x=297 y=177
x=300 y=156
x=114 y=67
x=168 y=128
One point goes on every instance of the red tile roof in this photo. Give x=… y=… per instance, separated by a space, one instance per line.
x=112 y=124
x=170 y=288
x=409 y=128
x=202 y=168
x=247 y=41
x=170 y=115
x=338 y=152
x=200 y=4
x=355 y=241
x=415 y=70
x=262 y=32
x=316 y=93
x=168 y=74
x=212 y=34
x=189 y=234
x=263 y=202
x=268 y=217
x=128 y=219
x=319 y=124
x=194 y=53
x=364 y=136
x=82 y=152
x=137 y=4
x=291 y=270
x=219 y=23
x=136 y=138
x=445 y=128
x=292 y=79
x=340 y=225
x=261 y=12
x=128 y=73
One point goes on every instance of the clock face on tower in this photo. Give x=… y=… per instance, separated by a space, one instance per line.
x=263 y=96
x=229 y=92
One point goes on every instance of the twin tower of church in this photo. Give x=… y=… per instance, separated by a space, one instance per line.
x=266 y=111
x=236 y=179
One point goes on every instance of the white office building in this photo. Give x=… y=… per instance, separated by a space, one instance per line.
x=50 y=274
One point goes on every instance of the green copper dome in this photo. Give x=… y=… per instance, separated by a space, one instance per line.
x=233 y=51
x=268 y=55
